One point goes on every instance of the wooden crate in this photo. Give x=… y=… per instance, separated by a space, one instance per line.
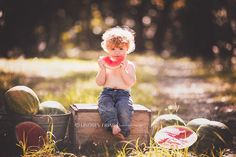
x=87 y=126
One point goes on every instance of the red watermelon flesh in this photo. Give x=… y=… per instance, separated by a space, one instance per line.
x=179 y=133
x=175 y=137
x=113 y=62
x=30 y=133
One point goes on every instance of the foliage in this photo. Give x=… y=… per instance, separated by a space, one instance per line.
x=137 y=149
x=170 y=28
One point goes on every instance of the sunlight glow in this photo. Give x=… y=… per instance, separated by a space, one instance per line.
x=150 y=31
x=47 y=68
x=228 y=109
x=71 y=33
x=2 y=22
x=128 y=21
x=149 y=88
x=221 y=16
x=233 y=60
x=110 y=21
x=1 y=13
x=165 y=53
x=218 y=67
x=179 y=4
x=41 y=46
x=228 y=46
x=97 y=21
x=178 y=90
x=158 y=3
x=221 y=12
x=97 y=30
x=134 y=2
x=215 y=49
x=146 y=20
x=188 y=90
x=181 y=86
x=73 y=52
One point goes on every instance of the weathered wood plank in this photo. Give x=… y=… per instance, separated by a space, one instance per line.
x=87 y=126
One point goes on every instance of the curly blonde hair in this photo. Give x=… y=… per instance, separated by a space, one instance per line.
x=119 y=36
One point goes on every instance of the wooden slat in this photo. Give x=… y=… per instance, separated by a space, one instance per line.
x=92 y=107
x=87 y=125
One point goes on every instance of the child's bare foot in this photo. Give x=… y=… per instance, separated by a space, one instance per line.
x=116 y=132
x=120 y=136
x=115 y=129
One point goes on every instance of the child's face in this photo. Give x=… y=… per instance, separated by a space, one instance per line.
x=116 y=49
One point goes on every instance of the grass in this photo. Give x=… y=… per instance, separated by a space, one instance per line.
x=67 y=87
x=80 y=87
x=71 y=81
x=151 y=150
x=48 y=147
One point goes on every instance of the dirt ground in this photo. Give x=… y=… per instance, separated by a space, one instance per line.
x=189 y=94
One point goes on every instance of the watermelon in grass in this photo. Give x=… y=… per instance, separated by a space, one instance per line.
x=175 y=137
x=30 y=134
x=113 y=62
x=194 y=124
x=212 y=138
x=22 y=100
x=164 y=121
x=51 y=108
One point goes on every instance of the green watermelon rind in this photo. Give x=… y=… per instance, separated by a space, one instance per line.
x=45 y=108
x=214 y=136
x=164 y=121
x=194 y=124
x=22 y=100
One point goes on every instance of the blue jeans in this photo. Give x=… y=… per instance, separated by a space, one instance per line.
x=115 y=106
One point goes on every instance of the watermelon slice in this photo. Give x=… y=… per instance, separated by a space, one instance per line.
x=114 y=62
x=175 y=137
x=30 y=133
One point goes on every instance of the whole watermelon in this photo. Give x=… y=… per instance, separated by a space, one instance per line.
x=51 y=108
x=194 y=124
x=22 y=100
x=165 y=120
x=212 y=138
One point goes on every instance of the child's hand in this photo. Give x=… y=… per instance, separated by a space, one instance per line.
x=123 y=64
x=101 y=63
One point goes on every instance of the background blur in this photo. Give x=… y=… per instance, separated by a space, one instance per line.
x=185 y=53
x=195 y=28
